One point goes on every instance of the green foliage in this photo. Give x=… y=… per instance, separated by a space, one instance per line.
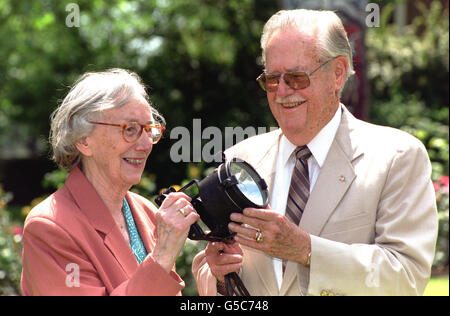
x=196 y=56
x=55 y=179
x=415 y=62
x=10 y=249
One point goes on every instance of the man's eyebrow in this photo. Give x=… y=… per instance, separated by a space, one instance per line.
x=297 y=68
x=271 y=72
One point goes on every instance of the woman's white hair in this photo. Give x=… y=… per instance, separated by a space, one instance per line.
x=331 y=36
x=92 y=93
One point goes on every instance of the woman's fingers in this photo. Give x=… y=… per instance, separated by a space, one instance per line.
x=173 y=198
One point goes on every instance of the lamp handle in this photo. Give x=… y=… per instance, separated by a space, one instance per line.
x=235 y=286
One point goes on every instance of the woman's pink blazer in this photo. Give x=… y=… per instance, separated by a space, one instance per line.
x=72 y=246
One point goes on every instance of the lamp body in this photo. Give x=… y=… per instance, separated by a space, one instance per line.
x=229 y=189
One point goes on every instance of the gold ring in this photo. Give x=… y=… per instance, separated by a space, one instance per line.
x=259 y=237
x=182 y=212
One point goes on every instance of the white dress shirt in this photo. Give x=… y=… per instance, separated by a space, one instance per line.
x=319 y=147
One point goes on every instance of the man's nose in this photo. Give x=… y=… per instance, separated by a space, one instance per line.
x=283 y=88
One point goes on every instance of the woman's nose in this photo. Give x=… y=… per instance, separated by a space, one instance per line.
x=144 y=143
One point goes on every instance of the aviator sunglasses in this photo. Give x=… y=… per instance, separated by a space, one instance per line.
x=296 y=80
x=131 y=131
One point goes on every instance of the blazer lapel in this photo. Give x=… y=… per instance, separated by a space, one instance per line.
x=335 y=177
x=92 y=206
x=267 y=165
x=118 y=246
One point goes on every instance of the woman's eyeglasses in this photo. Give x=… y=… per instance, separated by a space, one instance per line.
x=296 y=80
x=131 y=131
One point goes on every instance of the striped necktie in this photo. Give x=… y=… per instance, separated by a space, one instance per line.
x=299 y=189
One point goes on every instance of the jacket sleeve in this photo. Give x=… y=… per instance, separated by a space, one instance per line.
x=399 y=261
x=206 y=281
x=53 y=264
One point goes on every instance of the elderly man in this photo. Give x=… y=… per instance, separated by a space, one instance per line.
x=352 y=208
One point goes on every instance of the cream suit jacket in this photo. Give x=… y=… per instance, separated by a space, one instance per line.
x=372 y=217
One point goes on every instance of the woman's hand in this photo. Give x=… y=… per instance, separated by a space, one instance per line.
x=173 y=220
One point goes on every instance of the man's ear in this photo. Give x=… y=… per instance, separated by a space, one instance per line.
x=83 y=146
x=340 y=71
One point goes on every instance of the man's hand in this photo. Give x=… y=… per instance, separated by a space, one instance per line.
x=223 y=258
x=281 y=238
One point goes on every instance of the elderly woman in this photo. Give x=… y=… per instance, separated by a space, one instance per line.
x=93 y=236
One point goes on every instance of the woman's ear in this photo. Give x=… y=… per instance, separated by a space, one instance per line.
x=83 y=146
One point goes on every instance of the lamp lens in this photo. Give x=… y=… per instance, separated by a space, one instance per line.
x=247 y=182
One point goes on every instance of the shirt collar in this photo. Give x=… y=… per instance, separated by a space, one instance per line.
x=319 y=145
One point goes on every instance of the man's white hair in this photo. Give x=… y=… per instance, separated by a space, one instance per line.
x=332 y=38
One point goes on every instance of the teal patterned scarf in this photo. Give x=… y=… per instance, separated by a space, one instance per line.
x=136 y=244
